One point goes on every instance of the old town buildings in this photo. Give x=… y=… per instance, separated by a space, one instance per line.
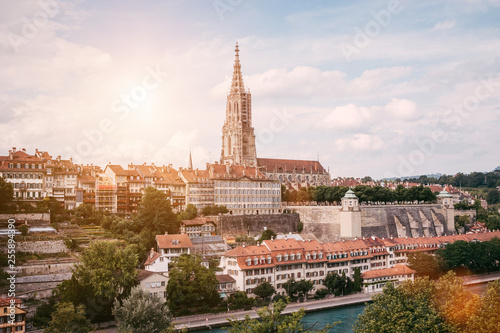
x=278 y=260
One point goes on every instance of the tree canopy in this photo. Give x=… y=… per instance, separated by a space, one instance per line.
x=6 y=194
x=106 y=272
x=68 y=318
x=214 y=210
x=265 y=291
x=191 y=287
x=423 y=305
x=142 y=312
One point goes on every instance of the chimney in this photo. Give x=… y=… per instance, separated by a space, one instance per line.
x=258 y=243
x=227 y=168
x=23 y=149
x=152 y=253
x=13 y=149
x=166 y=232
x=286 y=238
x=272 y=238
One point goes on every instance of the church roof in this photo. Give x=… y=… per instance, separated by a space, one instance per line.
x=279 y=165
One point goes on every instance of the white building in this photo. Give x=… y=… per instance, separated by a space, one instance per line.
x=375 y=280
x=153 y=283
x=169 y=248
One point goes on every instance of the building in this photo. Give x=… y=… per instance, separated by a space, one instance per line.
x=198 y=227
x=238 y=138
x=294 y=174
x=10 y=307
x=153 y=283
x=169 y=248
x=276 y=261
x=244 y=190
x=225 y=285
x=375 y=281
x=199 y=187
x=26 y=173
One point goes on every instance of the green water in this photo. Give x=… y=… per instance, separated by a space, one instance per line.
x=347 y=315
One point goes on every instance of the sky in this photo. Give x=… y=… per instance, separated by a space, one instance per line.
x=370 y=88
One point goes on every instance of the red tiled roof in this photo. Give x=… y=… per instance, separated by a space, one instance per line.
x=225 y=278
x=6 y=301
x=151 y=258
x=385 y=272
x=173 y=241
x=117 y=169
x=142 y=274
x=279 y=165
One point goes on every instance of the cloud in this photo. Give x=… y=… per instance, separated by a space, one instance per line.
x=346 y=117
x=360 y=142
x=444 y=25
x=401 y=108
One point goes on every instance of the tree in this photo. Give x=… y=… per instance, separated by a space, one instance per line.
x=142 y=312
x=272 y=321
x=298 y=289
x=493 y=196
x=358 y=280
x=399 y=310
x=155 y=213
x=44 y=312
x=189 y=213
x=265 y=291
x=267 y=234
x=240 y=300
x=487 y=318
x=424 y=264
x=461 y=221
x=106 y=272
x=68 y=318
x=214 y=210
x=6 y=194
x=24 y=229
x=493 y=222
x=191 y=286
x=453 y=302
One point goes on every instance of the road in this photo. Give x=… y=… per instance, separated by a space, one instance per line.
x=209 y=320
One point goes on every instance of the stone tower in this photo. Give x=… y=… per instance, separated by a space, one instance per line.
x=350 y=216
x=238 y=138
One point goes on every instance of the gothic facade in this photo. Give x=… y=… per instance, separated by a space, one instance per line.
x=238 y=138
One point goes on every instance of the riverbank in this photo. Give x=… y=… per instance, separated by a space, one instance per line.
x=198 y=322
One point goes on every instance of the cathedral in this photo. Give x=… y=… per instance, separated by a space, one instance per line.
x=238 y=138
x=238 y=142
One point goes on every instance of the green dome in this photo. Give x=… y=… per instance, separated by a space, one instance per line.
x=350 y=195
x=444 y=194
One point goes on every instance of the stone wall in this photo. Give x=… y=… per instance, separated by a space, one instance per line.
x=30 y=218
x=54 y=246
x=237 y=225
x=321 y=221
x=379 y=220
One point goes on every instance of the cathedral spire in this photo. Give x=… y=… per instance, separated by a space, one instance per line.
x=237 y=85
x=190 y=162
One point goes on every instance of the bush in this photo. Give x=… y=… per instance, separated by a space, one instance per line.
x=321 y=293
x=24 y=229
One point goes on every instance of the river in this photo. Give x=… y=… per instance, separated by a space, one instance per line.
x=346 y=315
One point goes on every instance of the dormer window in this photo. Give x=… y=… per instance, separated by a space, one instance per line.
x=268 y=260
x=308 y=256
x=285 y=257
x=299 y=256
x=314 y=256
x=278 y=257
x=320 y=255
x=262 y=261
x=292 y=256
